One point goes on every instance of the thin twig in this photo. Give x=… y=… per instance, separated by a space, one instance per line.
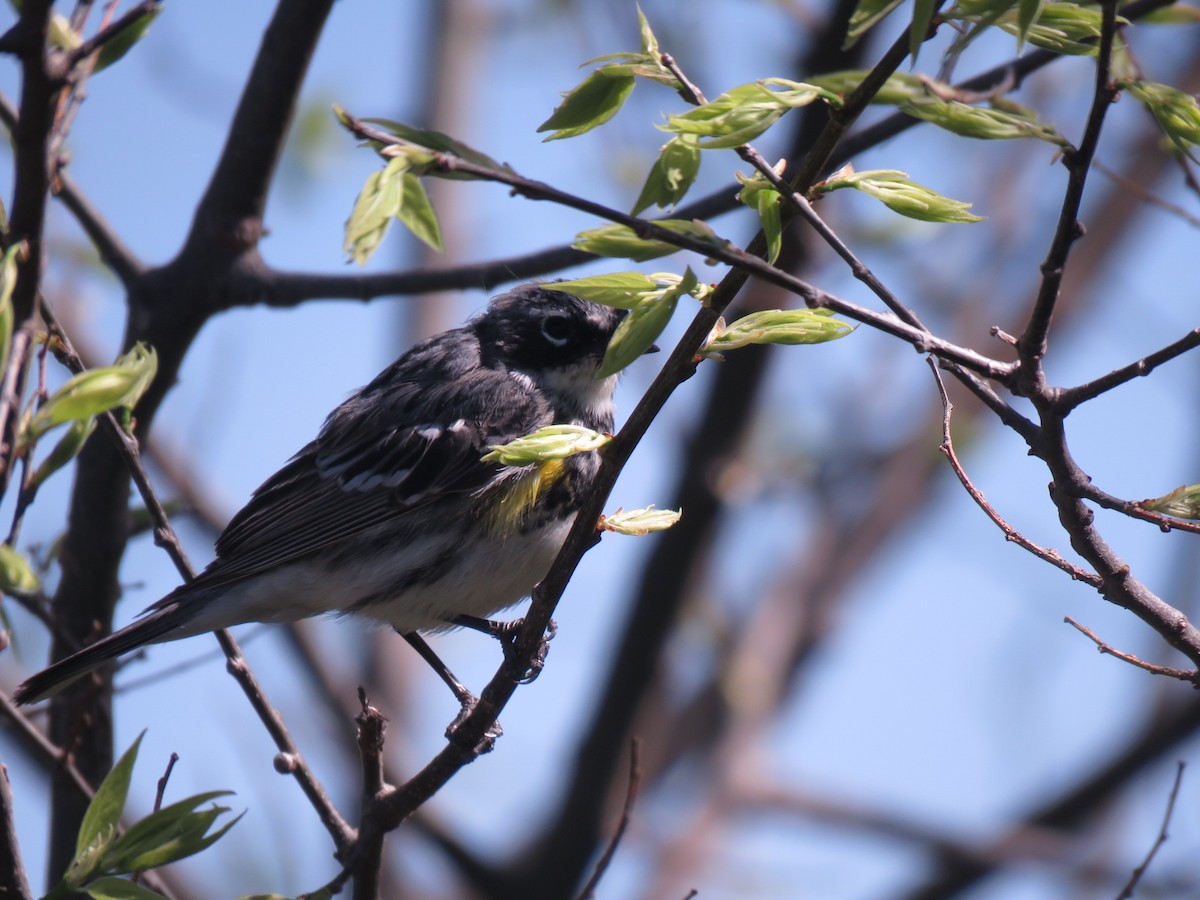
x=1070 y=398
x=159 y=791
x=1032 y=343
x=1137 y=874
x=631 y=793
x=1191 y=675
x=368 y=860
x=720 y=249
x=161 y=788
x=34 y=738
x=110 y=31
x=14 y=885
x=1135 y=510
x=342 y=834
x=1010 y=533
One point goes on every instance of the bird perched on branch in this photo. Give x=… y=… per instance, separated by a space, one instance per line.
x=391 y=512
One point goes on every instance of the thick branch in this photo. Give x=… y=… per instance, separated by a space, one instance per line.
x=229 y=217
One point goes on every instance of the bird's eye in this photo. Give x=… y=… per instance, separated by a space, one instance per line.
x=556 y=329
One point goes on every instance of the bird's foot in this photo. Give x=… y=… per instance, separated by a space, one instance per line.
x=506 y=633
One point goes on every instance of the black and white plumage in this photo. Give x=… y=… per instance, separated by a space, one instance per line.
x=390 y=512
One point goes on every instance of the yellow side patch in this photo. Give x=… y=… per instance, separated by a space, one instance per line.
x=506 y=509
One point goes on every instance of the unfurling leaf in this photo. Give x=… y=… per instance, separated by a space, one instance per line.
x=378 y=203
x=922 y=18
x=416 y=213
x=896 y=191
x=1028 y=12
x=627 y=290
x=551 y=442
x=865 y=16
x=16 y=575
x=638 y=330
x=1182 y=503
x=64 y=451
x=104 y=812
x=777 y=326
x=591 y=103
x=429 y=140
x=123 y=42
x=639 y=521
x=8 y=281
x=620 y=290
x=671 y=175
x=97 y=391
x=166 y=835
x=899 y=87
x=61 y=34
x=1177 y=113
x=623 y=241
x=743 y=113
x=169 y=834
x=980 y=122
x=649 y=41
x=760 y=195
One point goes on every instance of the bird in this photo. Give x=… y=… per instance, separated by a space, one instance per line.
x=391 y=512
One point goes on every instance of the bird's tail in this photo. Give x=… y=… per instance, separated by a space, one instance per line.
x=154 y=626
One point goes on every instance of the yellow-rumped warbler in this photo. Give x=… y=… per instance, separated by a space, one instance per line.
x=391 y=513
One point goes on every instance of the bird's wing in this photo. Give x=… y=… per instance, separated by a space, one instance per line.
x=373 y=463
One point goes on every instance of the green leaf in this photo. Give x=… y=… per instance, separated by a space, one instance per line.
x=1182 y=503
x=437 y=142
x=551 y=442
x=649 y=41
x=865 y=17
x=122 y=43
x=899 y=87
x=622 y=241
x=620 y=290
x=980 y=15
x=740 y=115
x=110 y=888
x=378 y=203
x=639 y=521
x=104 y=812
x=8 y=281
x=627 y=290
x=64 y=451
x=1062 y=27
x=61 y=34
x=417 y=213
x=922 y=19
x=638 y=331
x=590 y=104
x=172 y=833
x=768 y=205
x=900 y=194
x=671 y=175
x=980 y=122
x=97 y=391
x=1027 y=13
x=1176 y=113
x=761 y=196
x=16 y=575
x=778 y=326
